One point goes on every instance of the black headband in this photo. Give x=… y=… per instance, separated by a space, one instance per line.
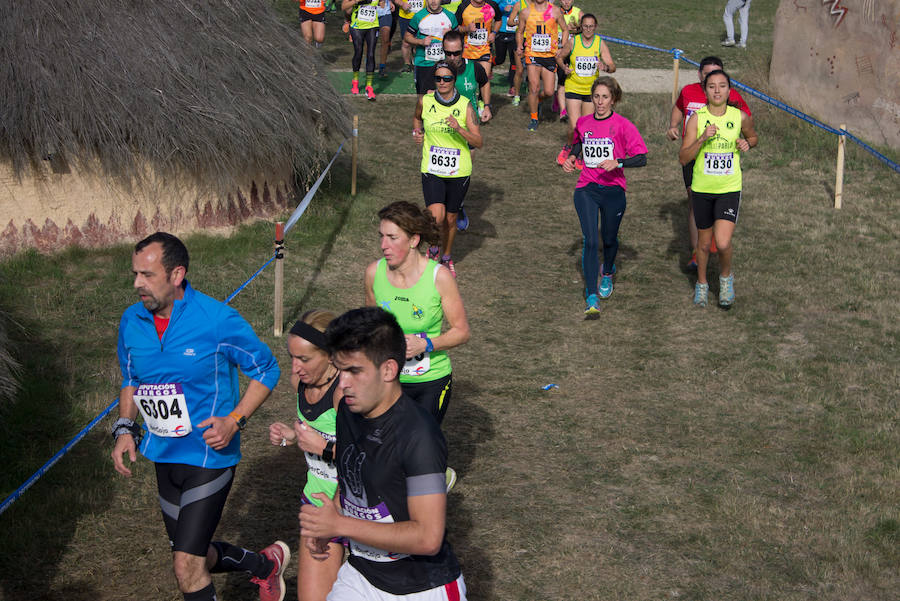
x=307 y=332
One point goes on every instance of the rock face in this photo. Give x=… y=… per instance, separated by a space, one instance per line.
x=64 y=209
x=839 y=61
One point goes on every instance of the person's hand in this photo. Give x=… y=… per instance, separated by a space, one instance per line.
x=709 y=132
x=609 y=164
x=415 y=345
x=568 y=71
x=308 y=439
x=672 y=133
x=418 y=135
x=743 y=145
x=569 y=165
x=124 y=444
x=452 y=122
x=219 y=432
x=317 y=547
x=486 y=114
x=520 y=51
x=426 y=41
x=319 y=522
x=491 y=37
x=281 y=434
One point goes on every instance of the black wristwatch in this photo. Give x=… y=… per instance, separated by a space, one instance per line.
x=328 y=453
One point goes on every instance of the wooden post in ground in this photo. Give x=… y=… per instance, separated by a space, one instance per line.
x=675 y=62
x=839 y=177
x=354 y=155
x=279 y=278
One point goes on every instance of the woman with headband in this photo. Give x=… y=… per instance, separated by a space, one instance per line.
x=315 y=380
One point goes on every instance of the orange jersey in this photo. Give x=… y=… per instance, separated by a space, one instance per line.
x=314 y=7
x=477 y=43
x=541 y=37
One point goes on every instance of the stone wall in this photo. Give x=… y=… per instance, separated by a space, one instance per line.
x=839 y=60
x=57 y=210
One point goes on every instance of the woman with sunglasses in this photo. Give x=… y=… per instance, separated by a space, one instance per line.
x=607 y=143
x=315 y=380
x=446 y=125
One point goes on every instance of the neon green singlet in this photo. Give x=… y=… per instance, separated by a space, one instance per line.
x=418 y=311
x=584 y=62
x=717 y=169
x=445 y=153
x=321 y=475
x=365 y=16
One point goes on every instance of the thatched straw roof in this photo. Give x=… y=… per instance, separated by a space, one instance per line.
x=211 y=90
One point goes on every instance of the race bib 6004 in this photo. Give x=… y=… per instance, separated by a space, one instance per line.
x=164 y=409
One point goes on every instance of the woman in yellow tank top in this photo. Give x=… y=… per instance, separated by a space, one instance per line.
x=588 y=57
x=716 y=145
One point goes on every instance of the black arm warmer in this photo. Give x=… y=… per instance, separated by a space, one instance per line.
x=638 y=160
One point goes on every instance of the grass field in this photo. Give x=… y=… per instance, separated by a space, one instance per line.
x=686 y=453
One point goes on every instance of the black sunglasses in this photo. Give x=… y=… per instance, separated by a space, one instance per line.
x=449 y=53
x=444 y=78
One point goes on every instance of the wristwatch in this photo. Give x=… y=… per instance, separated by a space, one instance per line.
x=239 y=419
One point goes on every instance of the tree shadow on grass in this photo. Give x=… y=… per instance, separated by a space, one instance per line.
x=40 y=525
x=479 y=197
x=467 y=426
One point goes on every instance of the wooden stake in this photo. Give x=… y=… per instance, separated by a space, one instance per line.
x=839 y=177
x=355 y=153
x=279 y=278
x=675 y=62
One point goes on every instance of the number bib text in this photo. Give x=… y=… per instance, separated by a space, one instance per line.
x=540 y=42
x=585 y=66
x=416 y=5
x=164 y=409
x=313 y=3
x=434 y=51
x=597 y=150
x=718 y=163
x=443 y=161
x=479 y=37
x=366 y=14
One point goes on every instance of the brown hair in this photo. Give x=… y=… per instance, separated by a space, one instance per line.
x=611 y=84
x=413 y=220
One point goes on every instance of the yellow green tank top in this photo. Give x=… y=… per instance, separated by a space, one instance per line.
x=584 y=62
x=445 y=153
x=418 y=311
x=717 y=169
x=365 y=16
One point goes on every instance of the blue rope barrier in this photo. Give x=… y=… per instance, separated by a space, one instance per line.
x=679 y=54
x=34 y=477
x=301 y=208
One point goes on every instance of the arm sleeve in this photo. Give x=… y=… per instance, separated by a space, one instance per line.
x=128 y=376
x=679 y=104
x=638 y=160
x=459 y=12
x=498 y=13
x=481 y=77
x=240 y=344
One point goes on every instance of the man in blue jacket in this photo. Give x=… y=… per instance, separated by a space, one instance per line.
x=179 y=351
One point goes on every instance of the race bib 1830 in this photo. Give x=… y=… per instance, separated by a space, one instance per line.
x=164 y=409
x=718 y=163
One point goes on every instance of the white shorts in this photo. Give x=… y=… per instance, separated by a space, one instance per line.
x=352 y=586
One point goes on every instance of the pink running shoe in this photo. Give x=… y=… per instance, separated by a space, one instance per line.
x=448 y=263
x=354 y=87
x=370 y=93
x=271 y=588
x=563 y=154
x=563 y=115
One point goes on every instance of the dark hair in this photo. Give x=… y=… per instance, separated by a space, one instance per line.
x=716 y=72
x=611 y=84
x=412 y=219
x=174 y=252
x=446 y=65
x=588 y=16
x=711 y=60
x=371 y=330
x=453 y=35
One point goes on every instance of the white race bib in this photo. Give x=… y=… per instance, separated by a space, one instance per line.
x=417 y=366
x=415 y=5
x=585 y=66
x=479 y=37
x=718 y=163
x=313 y=3
x=164 y=409
x=444 y=162
x=379 y=513
x=597 y=150
x=434 y=51
x=367 y=14
x=540 y=42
